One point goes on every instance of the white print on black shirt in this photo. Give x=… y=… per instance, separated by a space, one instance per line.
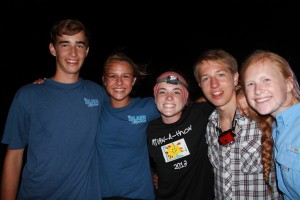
x=180 y=165
x=178 y=133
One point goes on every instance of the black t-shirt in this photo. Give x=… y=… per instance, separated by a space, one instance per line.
x=178 y=154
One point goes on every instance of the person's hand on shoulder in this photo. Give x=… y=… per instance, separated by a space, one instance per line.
x=242 y=103
x=201 y=99
x=39 y=81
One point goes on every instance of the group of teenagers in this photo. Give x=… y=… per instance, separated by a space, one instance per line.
x=69 y=138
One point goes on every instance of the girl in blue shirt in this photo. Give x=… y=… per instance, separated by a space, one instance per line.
x=121 y=140
x=271 y=88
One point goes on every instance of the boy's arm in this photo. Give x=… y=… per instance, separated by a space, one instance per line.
x=11 y=173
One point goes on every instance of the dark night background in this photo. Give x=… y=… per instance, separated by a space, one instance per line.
x=163 y=35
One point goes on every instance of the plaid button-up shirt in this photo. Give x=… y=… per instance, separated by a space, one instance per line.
x=238 y=170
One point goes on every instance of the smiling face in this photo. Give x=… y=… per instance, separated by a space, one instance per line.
x=267 y=91
x=170 y=101
x=217 y=83
x=118 y=81
x=70 y=52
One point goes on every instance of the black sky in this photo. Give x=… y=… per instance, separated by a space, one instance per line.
x=165 y=34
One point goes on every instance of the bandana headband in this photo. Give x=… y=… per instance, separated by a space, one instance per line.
x=174 y=78
x=171 y=79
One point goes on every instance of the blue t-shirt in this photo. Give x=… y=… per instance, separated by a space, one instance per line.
x=122 y=147
x=58 y=124
x=287 y=151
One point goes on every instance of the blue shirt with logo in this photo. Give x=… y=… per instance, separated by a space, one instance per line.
x=123 y=152
x=57 y=124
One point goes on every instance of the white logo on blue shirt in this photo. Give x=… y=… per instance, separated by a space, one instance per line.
x=137 y=119
x=91 y=102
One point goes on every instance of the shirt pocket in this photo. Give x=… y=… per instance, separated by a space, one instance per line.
x=289 y=162
x=251 y=156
